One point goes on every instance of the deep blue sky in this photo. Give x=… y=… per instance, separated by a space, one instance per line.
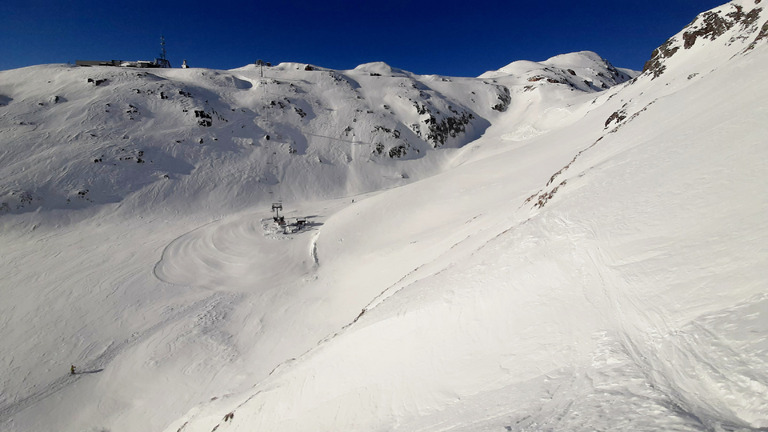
x=427 y=37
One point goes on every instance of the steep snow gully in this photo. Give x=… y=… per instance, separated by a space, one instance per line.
x=560 y=245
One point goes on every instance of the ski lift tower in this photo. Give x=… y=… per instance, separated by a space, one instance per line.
x=276 y=207
x=260 y=64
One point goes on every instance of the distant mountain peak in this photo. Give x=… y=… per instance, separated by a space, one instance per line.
x=583 y=70
x=378 y=69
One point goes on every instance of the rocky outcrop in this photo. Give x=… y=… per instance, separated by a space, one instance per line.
x=737 y=21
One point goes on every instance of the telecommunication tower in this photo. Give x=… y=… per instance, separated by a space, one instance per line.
x=162 y=48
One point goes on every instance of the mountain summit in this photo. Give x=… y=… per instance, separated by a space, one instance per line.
x=736 y=27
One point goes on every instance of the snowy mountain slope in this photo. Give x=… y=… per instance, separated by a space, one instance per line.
x=218 y=138
x=593 y=261
x=736 y=27
x=143 y=274
x=621 y=299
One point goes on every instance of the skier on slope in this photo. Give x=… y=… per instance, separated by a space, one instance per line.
x=72 y=370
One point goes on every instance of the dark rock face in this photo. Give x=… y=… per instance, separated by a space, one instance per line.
x=655 y=65
x=204 y=118
x=504 y=99
x=96 y=82
x=617 y=117
x=440 y=130
x=710 y=25
x=762 y=35
x=713 y=26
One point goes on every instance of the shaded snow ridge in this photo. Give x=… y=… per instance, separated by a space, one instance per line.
x=523 y=251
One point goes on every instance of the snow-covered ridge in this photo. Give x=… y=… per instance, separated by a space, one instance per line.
x=584 y=70
x=100 y=135
x=737 y=27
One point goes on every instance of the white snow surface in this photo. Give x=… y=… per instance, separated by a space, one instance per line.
x=580 y=259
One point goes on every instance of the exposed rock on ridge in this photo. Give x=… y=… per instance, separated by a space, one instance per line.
x=735 y=22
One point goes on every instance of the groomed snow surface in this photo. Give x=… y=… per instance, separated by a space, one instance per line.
x=593 y=275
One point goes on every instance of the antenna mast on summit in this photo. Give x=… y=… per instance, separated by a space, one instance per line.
x=162 y=48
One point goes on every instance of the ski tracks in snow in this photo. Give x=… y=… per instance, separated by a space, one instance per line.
x=102 y=361
x=707 y=371
x=234 y=254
